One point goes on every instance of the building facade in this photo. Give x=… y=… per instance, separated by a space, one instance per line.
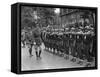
x=69 y=17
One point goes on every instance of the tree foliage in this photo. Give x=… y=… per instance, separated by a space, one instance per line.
x=44 y=16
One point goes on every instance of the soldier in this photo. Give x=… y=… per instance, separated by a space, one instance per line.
x=53 y=43
x=93 y=46
x=87 y=46
x=30 y=48
x=60 y=44
x=45 y=39
x=29 y=42
x=73 y=47
x=38 y=42
x=66 y=45
x=79 y=47
x=23 y=39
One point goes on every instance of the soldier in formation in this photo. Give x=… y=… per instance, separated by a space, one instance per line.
x=79 y=45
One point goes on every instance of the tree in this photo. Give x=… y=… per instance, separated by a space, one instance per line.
x=41 y=16
x=46 y=15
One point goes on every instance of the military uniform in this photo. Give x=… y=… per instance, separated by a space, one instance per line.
x=87 y=46
x=79 y=38
x=37 y=41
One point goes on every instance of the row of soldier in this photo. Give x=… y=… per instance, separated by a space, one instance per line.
x=80 y=46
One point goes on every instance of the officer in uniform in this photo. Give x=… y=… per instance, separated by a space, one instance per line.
x=38 y=42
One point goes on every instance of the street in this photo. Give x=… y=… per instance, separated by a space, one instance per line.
x=47 y=61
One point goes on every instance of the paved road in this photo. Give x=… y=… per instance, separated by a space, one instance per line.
x=48 y=61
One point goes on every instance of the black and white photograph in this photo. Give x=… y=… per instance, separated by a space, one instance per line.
x=54 y=38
